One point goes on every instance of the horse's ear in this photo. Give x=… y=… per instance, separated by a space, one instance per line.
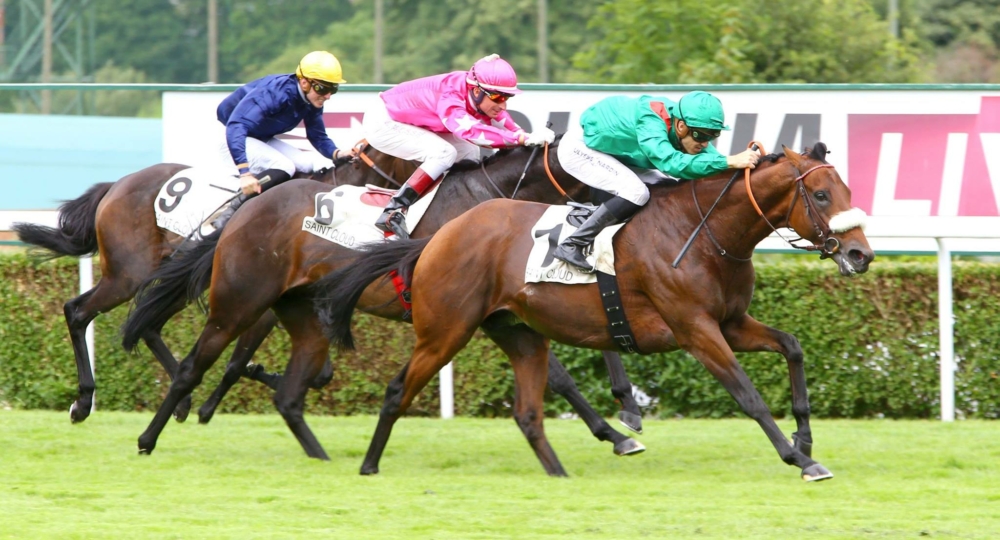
x=818 y=152
x=792 y=156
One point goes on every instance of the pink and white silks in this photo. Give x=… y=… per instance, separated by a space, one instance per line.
x=433 y=120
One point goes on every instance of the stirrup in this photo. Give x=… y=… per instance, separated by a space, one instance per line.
x=394 y=223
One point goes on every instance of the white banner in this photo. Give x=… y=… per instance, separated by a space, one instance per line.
x=911 y=156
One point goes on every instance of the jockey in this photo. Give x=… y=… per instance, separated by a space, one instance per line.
x=626 y=142
x=259 y=110
x=441 y=119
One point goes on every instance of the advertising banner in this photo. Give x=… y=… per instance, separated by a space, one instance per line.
x=920 y=162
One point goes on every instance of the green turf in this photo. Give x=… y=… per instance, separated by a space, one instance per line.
x=246 y=477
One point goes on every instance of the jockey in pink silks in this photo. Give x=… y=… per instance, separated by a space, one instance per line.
x=441 y=119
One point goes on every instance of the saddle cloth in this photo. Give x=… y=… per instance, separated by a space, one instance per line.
x=551 y=229
x=347 y=214
x=191 y=196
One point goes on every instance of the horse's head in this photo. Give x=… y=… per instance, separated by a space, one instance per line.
x=821 y=212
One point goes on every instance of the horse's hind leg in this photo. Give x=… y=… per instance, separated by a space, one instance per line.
x=529 y=355
x=562 y=383
x=310 y=351
x=166 y=358
x=80 y=312
x=430 y=354
x=246 y=346
x=621 y=387
x=746 y=334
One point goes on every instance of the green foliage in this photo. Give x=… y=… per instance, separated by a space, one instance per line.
x=745 y=41
x=871 y=350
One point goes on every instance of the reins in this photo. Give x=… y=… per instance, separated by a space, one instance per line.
x=361 y=146
x=548 y=173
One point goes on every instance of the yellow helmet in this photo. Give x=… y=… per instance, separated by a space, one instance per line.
x=320 y=66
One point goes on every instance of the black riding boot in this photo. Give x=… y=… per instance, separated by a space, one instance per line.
x=393 y=217
x=268 y=179
x=573 y=248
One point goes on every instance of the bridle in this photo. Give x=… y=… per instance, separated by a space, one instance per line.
x=828 y=245
x=548 y=173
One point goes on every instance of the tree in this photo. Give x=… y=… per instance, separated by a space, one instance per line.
x=966 y=35
x=745 y=41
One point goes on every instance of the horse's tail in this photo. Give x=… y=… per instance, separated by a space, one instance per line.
x=177 y=282
x=76 y=234
x=338 y=292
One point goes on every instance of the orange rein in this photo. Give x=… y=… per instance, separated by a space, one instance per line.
x=746 y=176
x=548 y=172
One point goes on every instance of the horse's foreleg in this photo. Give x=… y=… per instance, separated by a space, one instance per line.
x=621 y=387
x=705 y=342
x=562 y=383
x=746 y=334
x=246 y=346
x=79 y=313
x=529 y=355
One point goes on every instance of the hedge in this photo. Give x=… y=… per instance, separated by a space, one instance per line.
x=871 y=346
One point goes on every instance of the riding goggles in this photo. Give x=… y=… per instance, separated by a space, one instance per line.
x=496 y=97
x=325 y=88
x=703 y=136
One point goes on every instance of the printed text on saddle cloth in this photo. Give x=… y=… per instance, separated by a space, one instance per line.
x=191 y=196
x=347 y=215
x=551 y=229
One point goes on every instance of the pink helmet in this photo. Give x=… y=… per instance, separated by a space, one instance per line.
x=493 y=74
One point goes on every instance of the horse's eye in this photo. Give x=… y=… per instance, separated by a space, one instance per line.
x=821 y=196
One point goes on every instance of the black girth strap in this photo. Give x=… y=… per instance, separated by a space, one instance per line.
x=618 y=325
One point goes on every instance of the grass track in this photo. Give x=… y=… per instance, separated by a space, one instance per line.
x=246 y=477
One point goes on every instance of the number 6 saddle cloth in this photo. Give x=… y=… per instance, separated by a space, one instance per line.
x=347 y=214
x=553 y=227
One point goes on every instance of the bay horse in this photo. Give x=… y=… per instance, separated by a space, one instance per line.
x=117 y=220
x=471 y=274
x=250 y=273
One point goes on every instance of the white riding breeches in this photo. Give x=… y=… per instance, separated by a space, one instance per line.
x=604 y=172
x=437 y=152
x=276 y=154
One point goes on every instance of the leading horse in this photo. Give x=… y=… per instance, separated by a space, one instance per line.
x=250 y=272
x=116 y=220
x=471 y=274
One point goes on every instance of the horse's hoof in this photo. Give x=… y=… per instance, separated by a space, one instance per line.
x=145 y=451
x=205 y=416
x=183 y=409
x=629 y=447
x=77 y=413
x=816 y=473
x=368 y=471
x=631 y=420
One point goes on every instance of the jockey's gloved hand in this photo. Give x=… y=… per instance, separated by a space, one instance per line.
x=539 y=137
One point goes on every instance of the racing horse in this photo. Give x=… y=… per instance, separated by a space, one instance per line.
x=471 y=274
x=249 y=273
x=116 y=220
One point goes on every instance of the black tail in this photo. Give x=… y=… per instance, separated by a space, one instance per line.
x=338 y=292
x=173 y=285
x=77 y=231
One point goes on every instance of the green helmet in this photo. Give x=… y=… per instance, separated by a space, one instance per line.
x=702 y=110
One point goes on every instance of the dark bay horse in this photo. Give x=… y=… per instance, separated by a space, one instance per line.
x=470 y=275
x=250 y=272
x=117 y=220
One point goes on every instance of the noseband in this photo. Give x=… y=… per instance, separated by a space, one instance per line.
x=828 y=245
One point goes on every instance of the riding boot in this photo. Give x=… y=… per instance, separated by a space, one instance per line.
x=573 y=249
x=268 y=179
x=393 y=218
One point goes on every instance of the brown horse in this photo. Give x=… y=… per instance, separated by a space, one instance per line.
x=116 y=219
x=250 y=273
x=471 y=275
